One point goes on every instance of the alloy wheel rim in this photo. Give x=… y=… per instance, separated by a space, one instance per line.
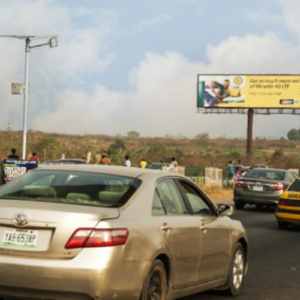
x=238 y=269
x=155 y=287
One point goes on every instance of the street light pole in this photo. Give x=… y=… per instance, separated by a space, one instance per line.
x=27 y=51
x=52 y=42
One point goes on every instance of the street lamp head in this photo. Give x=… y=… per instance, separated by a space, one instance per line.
x=53 y=42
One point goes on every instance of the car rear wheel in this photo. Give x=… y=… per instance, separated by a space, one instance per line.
x=239 y=205
x=155 y=285
x=236 y=271
x=283 y=225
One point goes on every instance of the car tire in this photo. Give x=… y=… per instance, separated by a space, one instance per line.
x=236 y=271
x=239 y=205
x=155 y=285
x=283 y=225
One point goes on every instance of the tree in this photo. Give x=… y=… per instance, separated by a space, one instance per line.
x=117 y=145
x=294 y=134
x=133 y=134
x=202 y=136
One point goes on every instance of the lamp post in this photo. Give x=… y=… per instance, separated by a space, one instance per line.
x=52 y=42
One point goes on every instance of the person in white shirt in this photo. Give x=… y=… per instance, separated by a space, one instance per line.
x=173 y=165
x=127 y=161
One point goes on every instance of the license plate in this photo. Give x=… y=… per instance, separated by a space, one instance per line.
x=258 y=188
x=20 y=237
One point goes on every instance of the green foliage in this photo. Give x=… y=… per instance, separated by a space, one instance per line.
x=294 y=134
x=202 y=136
x=117 y=145
x=133 y=134
x=47 y=147
x=156 y=149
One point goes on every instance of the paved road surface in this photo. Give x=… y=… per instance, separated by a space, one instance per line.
x=274 y=270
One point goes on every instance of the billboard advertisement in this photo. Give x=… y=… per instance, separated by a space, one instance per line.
x=248 y=91
x=13 y=168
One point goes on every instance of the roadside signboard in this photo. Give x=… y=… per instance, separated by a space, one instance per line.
x=13 y=168
x=248 y=91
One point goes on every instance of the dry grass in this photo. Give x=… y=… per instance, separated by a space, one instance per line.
x=219 y=194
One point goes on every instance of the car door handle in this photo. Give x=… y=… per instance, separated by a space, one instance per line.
x=203 y=227
x=165 y=227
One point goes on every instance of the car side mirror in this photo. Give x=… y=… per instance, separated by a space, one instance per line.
x=225 y=210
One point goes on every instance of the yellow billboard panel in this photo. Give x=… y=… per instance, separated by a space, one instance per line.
x=248 y=91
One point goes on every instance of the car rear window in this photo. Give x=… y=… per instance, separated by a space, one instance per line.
x=68 y=187
x=295 y=187
x=266 y=174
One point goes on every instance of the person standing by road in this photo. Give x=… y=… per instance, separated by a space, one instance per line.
x=13 y=154
x=173 y=165
x=105 y=160
x=34 y=157
x=143 y=163
x=127 y=161
x=230 y=170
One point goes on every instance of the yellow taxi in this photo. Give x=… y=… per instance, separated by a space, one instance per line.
x=288 y=208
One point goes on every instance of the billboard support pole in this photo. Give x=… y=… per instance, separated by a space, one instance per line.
x=249 y=136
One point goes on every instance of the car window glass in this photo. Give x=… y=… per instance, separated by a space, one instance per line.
x=198 y=205
x=295 y=187
x=266 y=174
x=170 y=197
x=157 y=207
x=290 y=176
x=71 y=187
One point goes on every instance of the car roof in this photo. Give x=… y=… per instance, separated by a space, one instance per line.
x=113 y=170
x=269 y=169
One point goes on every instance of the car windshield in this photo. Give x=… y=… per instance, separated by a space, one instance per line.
x=295 y=187
x=265 y=174
x=68 y=187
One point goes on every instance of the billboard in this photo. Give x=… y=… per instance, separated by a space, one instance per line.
x=13 y=168
x=248 y=91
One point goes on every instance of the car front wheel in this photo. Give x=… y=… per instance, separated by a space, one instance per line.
x=155 y=285
x=236 y=271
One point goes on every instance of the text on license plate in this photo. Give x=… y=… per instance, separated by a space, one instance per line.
x=20 y=237
x=258 y=188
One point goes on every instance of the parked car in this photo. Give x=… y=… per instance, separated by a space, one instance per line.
x=288 y=209
x=262 y=187
x=158 y=166
x=106 y=232
x=65 y=161
x=75 y=161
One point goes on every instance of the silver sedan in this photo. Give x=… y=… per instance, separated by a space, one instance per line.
x=102 y=232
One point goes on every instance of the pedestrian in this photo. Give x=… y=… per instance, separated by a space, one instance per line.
x=143 y=163
x=230 y=170
x=173 y=165
x=13 y=154
x=34 y=157
x=127 y=161
x=104 y=160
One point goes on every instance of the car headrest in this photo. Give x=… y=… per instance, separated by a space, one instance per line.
x=78 y=196
x=39 y=191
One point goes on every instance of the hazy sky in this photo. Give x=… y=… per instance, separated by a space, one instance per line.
x=125 y=65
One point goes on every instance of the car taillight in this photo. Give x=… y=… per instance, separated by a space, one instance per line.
x=284 y=202
x=279 y=187
x=89 y=237
x=281 y=202
x=238 y=184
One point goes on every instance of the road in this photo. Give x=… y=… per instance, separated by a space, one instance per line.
x=274 y=269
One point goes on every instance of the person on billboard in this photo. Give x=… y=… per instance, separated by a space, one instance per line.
x=13 y=154
x=221 y=91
